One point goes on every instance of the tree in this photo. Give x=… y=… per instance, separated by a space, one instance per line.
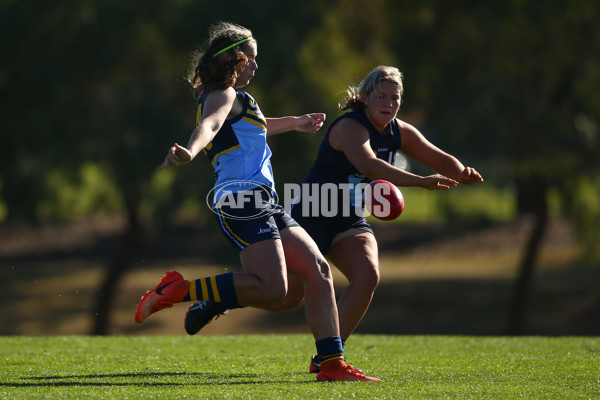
x=523 y=72
x=87 y=83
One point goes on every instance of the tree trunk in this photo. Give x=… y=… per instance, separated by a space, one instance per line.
x=133 y=244
x=531 y=200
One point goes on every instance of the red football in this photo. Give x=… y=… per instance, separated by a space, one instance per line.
x=384 y=200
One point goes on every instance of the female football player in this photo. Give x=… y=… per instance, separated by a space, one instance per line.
x=231 y=131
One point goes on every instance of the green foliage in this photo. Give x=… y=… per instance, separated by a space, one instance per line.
x=275 y=367
x=586 y=209
x=469 y=204
x=487 y=202
x=87 y=193
x=103 y=83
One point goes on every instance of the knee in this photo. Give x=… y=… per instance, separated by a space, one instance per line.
x=322 y=273
x=292 y=300
x=372 y=277
x=273 y=293
x=367 y=277
x=295 y=294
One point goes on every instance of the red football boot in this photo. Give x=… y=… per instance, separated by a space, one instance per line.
x=171 y=289
x=345 y=372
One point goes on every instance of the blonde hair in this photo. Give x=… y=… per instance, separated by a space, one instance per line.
x=382 y=73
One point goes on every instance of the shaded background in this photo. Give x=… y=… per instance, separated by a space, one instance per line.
x=93 y=93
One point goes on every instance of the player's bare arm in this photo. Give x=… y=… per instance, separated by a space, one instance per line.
x=304 y=123
x=218 y=106
x=353 y=139
x=417 y=147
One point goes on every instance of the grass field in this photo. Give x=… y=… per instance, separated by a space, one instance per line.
x=453 y=285
x=275 y=367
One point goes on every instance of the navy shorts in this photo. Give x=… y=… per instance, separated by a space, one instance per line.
x=251 y=216
x=323 y=230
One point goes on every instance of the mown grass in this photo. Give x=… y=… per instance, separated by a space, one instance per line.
x=275 y=367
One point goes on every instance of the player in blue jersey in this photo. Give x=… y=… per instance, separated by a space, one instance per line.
x=231 y=131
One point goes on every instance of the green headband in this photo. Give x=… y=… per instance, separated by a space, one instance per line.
x=233 y=45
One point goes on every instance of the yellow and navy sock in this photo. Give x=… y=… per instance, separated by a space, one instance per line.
x=331 y=352
x=317 y=358
x=218 y=288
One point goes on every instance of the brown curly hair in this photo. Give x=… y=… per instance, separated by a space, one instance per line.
x=222 y=71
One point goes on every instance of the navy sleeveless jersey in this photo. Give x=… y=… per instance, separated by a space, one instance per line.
x=332 y=166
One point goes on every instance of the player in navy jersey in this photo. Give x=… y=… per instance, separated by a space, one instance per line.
x=231 y=131
x=360 y=146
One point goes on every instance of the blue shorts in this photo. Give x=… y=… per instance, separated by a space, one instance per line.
x=323 y=230
x=250 y=217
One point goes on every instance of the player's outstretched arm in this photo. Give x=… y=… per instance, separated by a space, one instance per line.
x=303 y=123
x=417 y=147
x=217 y=107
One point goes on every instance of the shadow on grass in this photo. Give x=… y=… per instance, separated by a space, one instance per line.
x=141 y=379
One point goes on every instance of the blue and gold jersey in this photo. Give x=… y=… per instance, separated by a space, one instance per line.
x=239 y=152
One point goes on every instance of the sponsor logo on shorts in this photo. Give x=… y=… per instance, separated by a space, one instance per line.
x=265 y=230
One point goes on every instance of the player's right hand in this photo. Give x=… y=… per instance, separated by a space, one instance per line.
x=178 y=156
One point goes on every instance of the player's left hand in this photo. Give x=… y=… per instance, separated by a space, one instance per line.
x=470 y=176
x=311 y=122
